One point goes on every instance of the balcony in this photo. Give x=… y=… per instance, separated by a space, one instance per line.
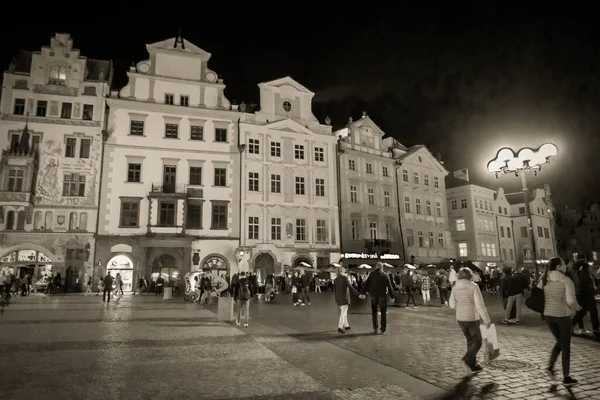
x=168 y=190
x=378 y=243
x=195 y=193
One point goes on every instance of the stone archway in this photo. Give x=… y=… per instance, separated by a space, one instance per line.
x=165 y=265
x=264 y=264
x=298 y=258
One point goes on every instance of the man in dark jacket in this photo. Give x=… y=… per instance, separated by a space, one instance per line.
x=306 y=278
x=379 y=286
x=585 y=290
x=108 y=287
x=342 y=288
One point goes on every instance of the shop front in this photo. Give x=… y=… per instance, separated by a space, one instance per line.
x=121 y=265
x=353 y=260
x=34 y=263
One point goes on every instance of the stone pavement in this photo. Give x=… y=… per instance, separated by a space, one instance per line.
x=76 y=347
x=426 y=343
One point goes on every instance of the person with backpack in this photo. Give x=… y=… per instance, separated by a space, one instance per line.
x=244 y=294
x=585 y=290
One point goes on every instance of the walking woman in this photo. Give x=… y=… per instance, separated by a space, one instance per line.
x=244 y=294
x=342 y=288
x=470 y=308
x=560 y=304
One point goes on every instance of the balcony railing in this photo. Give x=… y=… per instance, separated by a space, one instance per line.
x=195 y=193
x=378 y=243
x=16 y=152
x=169 y=188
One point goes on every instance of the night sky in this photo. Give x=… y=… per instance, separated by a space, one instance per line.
x=463 y=78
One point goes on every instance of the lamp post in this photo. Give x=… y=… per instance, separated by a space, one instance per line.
x=524 y=160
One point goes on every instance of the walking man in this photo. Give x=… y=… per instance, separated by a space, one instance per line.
x=379 y=286
x=306 y=278
x=108 y=283
x=342 y=288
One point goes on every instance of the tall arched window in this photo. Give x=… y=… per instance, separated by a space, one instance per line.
x=38 y=220
x=73 y=221
x=10 y=221
x=83 y=222
x=48 y=220
x=21 y=221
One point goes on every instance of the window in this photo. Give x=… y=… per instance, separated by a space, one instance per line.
x=301 y=230
x=299 y=152
x=171 y=131
x=540 y=231
x=194 y=216
x=527 y=254
x=369 y=168
x=511 y=254
x=475 y=202
x=426 y=180
x=166 y=213
x=463 y=203
x=416 y=177
x=485 y=205
x=319 y=154
x=462 y=250
x=287 y=106
x=352 y=165
x=522 y=210
x=196 y=132
x=353 y=194
x=253 y=184
x=547 y=233
x=508 y=234
x=431 y=240
x=88 y=112
x=184 y=101
x=371 y=196
x=134 y=172
x=19 y=107
x=355 y=231
x=407 y=204
x=70 y=147
x=501 y=231
x=385 y=171
x=169 y=99
x=504 y=254
x=322 y=231
x=275 y=183
x=196 y=176
x=275 y=149
x=320 y=187
x=441 y=239
x=219 y=216
x=253 y=228
x=418 y=206
x=253 y=146
x=15 y=180
x=524 y=231
x=386 y=199
x=410 y=237
x=461 y=225
x=499 y=210
x=388 y=231
x=493 y=249
x=130 y=213
x=505 y=211
x=542 y=253
x=136 y=128
x=66 y=110
x=454 y=205
x=420 y=237
x=41 y=109
x=428 y=207
x=373 y=230
x=74 y=185
x=221 y=135
x=84 y=148
x=405 y=175
x=58 y=75
x=275 y=228
x=483 y=253
x=220 y=177
x=300 y=190
x=438 y=208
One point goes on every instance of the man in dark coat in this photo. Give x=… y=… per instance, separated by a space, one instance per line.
x=379 y=286
x=342 y=288
x=585 y=288
x=306 y=278
x=108 y=287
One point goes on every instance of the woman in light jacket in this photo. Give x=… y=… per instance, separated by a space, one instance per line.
x=559 y=306
x=470 y=308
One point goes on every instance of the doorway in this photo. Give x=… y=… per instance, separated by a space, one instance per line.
x=264 y=265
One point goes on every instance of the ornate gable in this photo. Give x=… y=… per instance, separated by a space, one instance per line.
x=169 y=45
x=289 y=125
x=420 y=155
x=368 y=123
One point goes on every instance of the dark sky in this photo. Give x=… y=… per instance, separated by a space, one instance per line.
x=461 y=77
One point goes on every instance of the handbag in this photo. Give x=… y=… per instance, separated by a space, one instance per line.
x=294 y=289
x=536 y=300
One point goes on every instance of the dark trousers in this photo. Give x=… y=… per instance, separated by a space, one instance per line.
x=305 y=296
x=106 y=292
x=588 y=304
x=381 y=303
x=561 y=329
x=443 y=296
x=410 y=294
x=473 y=335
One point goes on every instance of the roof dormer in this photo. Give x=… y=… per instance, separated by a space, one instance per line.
x=286 y=98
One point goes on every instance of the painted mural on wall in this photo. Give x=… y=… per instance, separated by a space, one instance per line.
x=54 y=166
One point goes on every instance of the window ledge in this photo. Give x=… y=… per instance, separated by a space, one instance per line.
x=167 y=137
x=218 y=229
x=139 y=183
x=129 y=134
x=196 y=140
x=128 y=227
x=218 y=186
x=221 y=141
x=195 y=228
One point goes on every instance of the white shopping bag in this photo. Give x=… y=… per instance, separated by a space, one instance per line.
x=491 y=347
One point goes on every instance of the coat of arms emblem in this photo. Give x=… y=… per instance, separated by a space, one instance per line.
x=60 y=219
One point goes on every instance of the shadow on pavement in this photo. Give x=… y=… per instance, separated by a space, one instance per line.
x=327 y=335
x=465 y=390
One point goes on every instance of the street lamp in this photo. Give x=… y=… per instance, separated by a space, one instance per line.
x=525 y=160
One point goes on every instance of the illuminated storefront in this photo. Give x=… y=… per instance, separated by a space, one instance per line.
x=22 y=262
x=122 y=265
x=353 y=259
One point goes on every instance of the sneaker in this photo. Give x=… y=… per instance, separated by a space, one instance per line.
x=568 y=381
x=309 y=304
x=302 y=304
x=375 y=332
x=550 y=373
x=577 y=331
x=340 y=330
x=476 y=368
x=505 y=321
x=517 y=322
x=237 y=322
x=383 y=332
x=295 y=304
x=245 y=325
x=415 y=307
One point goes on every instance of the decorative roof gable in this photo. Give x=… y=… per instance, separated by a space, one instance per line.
x=285 y=81
x=169 y=45
x=289 y=125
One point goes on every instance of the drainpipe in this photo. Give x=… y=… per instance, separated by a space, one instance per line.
x=498 y=236
x=339 y=151
x=514 y=237
x=398 y=165
x=241 y=147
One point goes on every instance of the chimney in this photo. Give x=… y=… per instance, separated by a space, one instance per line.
x=462 y=174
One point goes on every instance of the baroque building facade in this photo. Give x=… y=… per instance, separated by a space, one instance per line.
x=170 y=187
x=370 y=224
x=51 y=121
x=579 y=233
x=289 y=208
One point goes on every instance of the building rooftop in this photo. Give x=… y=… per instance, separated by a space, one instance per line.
x=454 y=182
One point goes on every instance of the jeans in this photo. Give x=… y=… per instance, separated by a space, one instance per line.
x=588 y=304
x=243 y=305
x=305 y=296
x=474 y=340
x=426 y=296
x=443 y=296
x=380 y=302
x=518 y=299
x=106 y=292
x=561 y=329
x=343 y=322
x=410 y=294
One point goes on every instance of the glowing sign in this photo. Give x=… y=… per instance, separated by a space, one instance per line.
x=507 y=161
x=371 y=256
